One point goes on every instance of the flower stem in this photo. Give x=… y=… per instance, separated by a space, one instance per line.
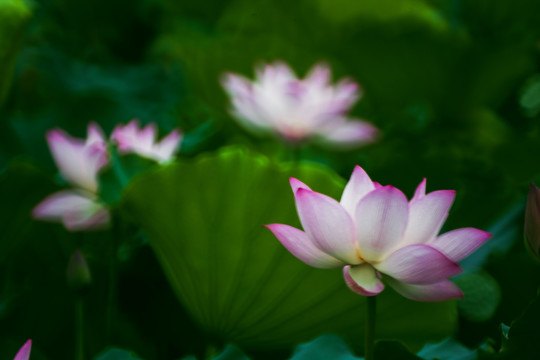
x=119 y=170
x=113 y=280
x=296 y=154
x=79 y=326
x=371 y=313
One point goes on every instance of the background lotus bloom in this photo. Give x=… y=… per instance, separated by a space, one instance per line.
x=24 y=352
x=532 y=221
x=131 y=139
x=298 y=110
x=79 y=162
x=376 y=234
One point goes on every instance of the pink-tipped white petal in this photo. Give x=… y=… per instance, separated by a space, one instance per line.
x=418 y=264
x=55 y=206
x=357 y=187
x=298 y=243
x=347 y=92
x=381 y=217
x=279 y=72
x=146 y=137
x=78 y=162
x=95 y=134
x=297 y=184
x=76 y=211
x=427 y=215
x=168 y=146
x=131 y=139
x=327 y=224
x=93 y=217
x=236 y=85
x=245 y=107
x=24 y=352
x=362 y=279
x=439 y=291
x=420 y=191
x=319 y=75
x=350 y=134
x=458 y=244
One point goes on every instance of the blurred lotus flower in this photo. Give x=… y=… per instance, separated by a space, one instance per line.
x=298 y=110
x=79 y=162
x=24 y=352
x=376 y=234
x=532 y=221
x=131 y=139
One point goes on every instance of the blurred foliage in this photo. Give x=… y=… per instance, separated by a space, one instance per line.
x=452 y=84
x=14 y=15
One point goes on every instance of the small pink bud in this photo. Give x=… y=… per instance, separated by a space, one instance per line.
x=532 y=221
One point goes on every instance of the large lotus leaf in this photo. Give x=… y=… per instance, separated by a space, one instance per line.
x=117 y=354
x=324 y=347
x=350 y=10
x=204 y=220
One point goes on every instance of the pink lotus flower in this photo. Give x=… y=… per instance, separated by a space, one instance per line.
x=79 y=162
x=131 y=139
x=24 y=352
x=376 y=234
x=298 y=110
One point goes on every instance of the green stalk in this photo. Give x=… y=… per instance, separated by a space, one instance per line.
x=370 y=328
x=79 y=326
x=113 y=282
x=296 y=154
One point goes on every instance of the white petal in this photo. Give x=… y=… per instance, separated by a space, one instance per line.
x=439 y=291
x=349 y=134
x=297 y=184
x=426 y=217
x=357 y=187
x=166 y=148
x=418 y=264
x=420 y=190
x=381 y=218
x=458 y=244
x=299 y=244
x=327 y=224
x=362 y=279
x=77 y=162
x=74 y=209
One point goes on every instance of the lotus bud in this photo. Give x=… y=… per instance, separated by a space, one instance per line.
x=78 y=274
x=532 y=221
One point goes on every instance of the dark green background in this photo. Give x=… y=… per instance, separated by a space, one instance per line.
x=454 y=87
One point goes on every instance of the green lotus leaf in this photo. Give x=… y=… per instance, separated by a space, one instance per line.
x=204 y=218
x=482 y=296
x=324 y=347
x=117 y=354
x=448 y=349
